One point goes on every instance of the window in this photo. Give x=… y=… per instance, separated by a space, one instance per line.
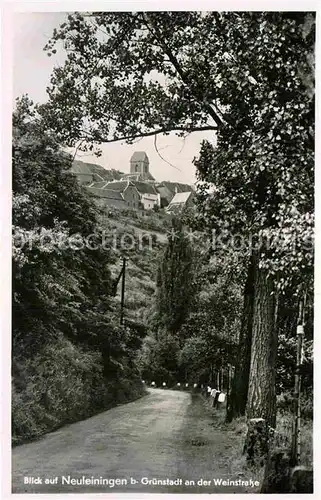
x=136 y=168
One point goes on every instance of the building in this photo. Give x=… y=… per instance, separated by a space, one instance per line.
x=149 y=197
x=167 y=191
x=134 y=177
x=137 y=189
x=139 y=168
x=119 y=194
x=180 y=202
x=126 y=194
x=87 y=173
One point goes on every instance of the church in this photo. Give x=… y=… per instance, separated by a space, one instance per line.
x=136 y=190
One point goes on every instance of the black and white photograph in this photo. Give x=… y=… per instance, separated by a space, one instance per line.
x=163 y=191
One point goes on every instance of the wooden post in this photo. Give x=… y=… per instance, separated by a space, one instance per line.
x=122 y=292
x=228 y=381
x=228 y=387
x=296 y=429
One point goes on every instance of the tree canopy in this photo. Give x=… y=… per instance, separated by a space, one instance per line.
x=61 y=285
x=246 y=76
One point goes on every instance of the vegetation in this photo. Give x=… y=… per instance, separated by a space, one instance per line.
x=231 y=295
x=175 y=286
x=70 y=356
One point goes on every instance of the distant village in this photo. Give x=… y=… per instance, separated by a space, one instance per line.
x=136 y=190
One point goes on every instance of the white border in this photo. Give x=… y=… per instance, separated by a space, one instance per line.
x=10 y=7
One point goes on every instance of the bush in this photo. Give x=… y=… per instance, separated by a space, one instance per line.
x=283 y=436
x=285 y=404
x=63 y=384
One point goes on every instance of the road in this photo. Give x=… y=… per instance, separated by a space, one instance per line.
x=165 y=435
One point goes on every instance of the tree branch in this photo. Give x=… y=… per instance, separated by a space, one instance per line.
x=77 y=147
x=161 y=157
x=151 y=133
x=178 y=68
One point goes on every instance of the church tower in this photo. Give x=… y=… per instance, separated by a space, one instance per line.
x=139 y=165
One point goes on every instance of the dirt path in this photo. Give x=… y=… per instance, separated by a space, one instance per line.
x=164 y=435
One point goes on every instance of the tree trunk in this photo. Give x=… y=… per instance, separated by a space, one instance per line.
x=240 y=383
x=261 y=401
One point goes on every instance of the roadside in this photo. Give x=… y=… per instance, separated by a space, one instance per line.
x=169 y=437
x=213 y=450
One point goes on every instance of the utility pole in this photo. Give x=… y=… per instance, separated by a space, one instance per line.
x=296 y=430
x=123 y=273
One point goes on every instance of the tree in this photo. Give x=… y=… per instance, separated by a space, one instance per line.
x=112 y=58
x=246 y=76
x=175 y=281
x=61 y=277
x=240 y=384
x=158 y=359
x=210 y=331
x=251 y=170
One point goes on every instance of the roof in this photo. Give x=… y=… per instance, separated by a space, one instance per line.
x=174 y=187
x=106 y=193
x=145 y=187
x=178 y=202
x=118 y=185
x=180 y=198
x=99 y=185
x=135 y=177
x=110 y=193
x=139 y=156
x=146 y=176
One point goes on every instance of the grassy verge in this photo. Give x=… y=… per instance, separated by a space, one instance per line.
x=235 y=433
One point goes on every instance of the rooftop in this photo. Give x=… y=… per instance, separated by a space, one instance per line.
x=145 y=187
x=139 y=156
x=180 y=198
x=106 y=193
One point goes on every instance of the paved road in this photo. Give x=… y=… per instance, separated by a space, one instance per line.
x=164 y=436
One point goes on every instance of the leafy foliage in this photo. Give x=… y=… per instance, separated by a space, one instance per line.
x=61 y=288
x=249 y=77
x=55 y=283
x=175 y=280
x=262 y=169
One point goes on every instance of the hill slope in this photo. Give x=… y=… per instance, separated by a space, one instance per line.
x=141 y=239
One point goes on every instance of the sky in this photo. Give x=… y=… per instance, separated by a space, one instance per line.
x=31 y=74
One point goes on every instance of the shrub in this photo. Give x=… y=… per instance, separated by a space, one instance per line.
x=283 y=436
x=285 y=404
x=64 y=383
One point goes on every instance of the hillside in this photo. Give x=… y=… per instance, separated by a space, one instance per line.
x=137 y=235
x=99 y=172
x=139 y=238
